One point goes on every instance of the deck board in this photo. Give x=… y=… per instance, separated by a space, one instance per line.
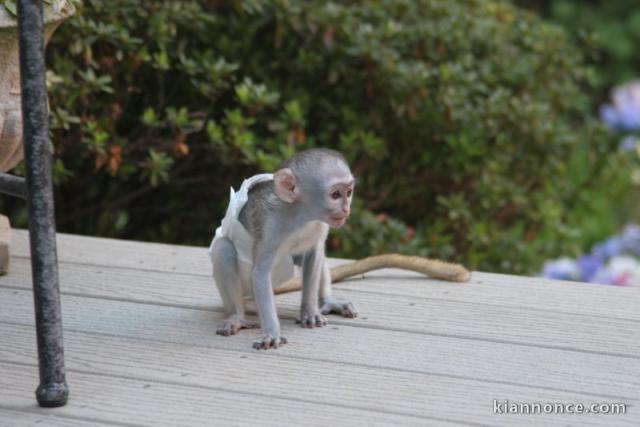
x=499 y=289
x=483 y=320
x=140 y=318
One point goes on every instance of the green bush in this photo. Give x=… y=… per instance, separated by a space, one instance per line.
x=610 y=28
x=466 y=123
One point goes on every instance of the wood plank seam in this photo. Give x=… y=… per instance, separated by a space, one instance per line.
x=36 y=411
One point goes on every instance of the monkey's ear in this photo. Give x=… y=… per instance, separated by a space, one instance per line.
x=286 y=185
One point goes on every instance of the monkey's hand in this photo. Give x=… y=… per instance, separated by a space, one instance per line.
x=312 y=320
x=269 y=341
x=345 y=309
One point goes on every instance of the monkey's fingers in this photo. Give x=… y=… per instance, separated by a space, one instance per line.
x=344 y=309
x=269 y=341
x=312 y=320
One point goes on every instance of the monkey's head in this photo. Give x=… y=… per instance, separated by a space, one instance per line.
x=320 y=182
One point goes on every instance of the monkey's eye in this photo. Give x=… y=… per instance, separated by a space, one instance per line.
x=349 y=192
x=336 y=195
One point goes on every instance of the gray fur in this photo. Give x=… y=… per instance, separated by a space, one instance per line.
x=297 y=229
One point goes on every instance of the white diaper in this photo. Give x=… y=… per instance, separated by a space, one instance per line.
x=232 y=229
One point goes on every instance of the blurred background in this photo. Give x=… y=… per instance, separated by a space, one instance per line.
x=500 y=134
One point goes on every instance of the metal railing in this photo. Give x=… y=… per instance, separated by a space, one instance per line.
x=37 y=188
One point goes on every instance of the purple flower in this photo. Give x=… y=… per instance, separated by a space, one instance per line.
x=561 y=269
x=612 y=262
x=609 y=115
x=629 y=143
x=610 y=248
x=631 y=239
x=602 y=277
x=625 y=271
x=624 y=112
x=613 y=246
x=589 y=266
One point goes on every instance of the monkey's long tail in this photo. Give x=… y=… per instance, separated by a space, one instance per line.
x=430 y=267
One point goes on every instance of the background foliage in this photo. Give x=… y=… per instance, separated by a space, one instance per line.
x=468 y=124
x=611 y=30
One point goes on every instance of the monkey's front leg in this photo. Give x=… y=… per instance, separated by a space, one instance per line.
x=227 y=278
x=265 y=302
x=310 y=315
x=327 y=302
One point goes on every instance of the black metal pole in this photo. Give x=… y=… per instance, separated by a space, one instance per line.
x=53 y=390
x=12 y=185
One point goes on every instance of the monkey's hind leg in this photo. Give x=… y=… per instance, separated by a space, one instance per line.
x=227 y=278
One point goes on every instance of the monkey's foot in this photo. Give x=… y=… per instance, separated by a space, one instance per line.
x=311 y=320
x=345 y=309
x=269 y=341
x=232 y=325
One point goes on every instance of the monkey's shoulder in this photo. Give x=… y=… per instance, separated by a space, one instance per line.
x=262 y=196
x=260 y=199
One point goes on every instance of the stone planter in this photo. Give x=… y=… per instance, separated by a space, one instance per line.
x=11 y=152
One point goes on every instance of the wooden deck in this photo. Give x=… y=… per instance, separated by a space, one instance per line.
x=141 y=349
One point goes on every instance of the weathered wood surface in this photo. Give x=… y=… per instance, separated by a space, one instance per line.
x=139 y=324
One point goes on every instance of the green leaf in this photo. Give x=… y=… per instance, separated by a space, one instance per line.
x=149 y=117
x=215 y=133
x=10 y=5
x=157 y=167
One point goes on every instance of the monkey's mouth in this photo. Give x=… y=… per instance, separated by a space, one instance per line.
x=337 y=221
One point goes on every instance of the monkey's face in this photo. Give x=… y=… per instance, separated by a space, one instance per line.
x=321 y=190
x=338 y=198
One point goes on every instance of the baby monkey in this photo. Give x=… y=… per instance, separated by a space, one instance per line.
x=281 y=219
x=272 y=223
